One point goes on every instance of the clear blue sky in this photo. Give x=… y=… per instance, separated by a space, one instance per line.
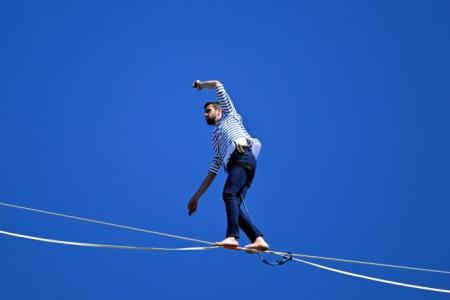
x=351 y=100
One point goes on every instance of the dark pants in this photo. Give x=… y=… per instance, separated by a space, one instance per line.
x=241 y=170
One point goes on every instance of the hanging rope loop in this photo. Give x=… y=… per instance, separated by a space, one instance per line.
x=284 y=259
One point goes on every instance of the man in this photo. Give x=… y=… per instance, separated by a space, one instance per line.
x=232 y=146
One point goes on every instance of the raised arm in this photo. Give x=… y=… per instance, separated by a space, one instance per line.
x=208 y=84
x=223 y=98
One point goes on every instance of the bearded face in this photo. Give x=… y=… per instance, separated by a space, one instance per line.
x=212 y=114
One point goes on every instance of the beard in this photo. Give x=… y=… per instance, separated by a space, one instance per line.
x=211 y=121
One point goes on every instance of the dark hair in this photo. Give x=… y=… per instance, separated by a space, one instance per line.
x=215 y=104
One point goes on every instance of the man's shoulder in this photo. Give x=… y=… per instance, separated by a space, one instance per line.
x=233 y=115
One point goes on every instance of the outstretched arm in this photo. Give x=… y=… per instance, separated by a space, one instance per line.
x=208 y=84
x=223 y=98
x=193 y=203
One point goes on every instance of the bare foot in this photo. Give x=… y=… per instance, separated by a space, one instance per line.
x=229 y=242
x=259 y=245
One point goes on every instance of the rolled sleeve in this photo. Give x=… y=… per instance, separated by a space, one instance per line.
x=215 y=165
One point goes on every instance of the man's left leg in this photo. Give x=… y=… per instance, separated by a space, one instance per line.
x=250 y=229
x=235 y=183
x=245 y=222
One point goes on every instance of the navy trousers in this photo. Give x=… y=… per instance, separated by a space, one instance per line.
x=241 y=170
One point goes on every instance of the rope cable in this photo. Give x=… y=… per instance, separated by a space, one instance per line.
x=81 y=244
x=370 y=263
x=293 y=256
x=209 y=248
x=106 y=223
x=391 y=282
x=212 y=244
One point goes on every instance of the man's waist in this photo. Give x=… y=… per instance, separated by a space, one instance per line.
x=240 y=147
x=242 y=141
x=242 y=144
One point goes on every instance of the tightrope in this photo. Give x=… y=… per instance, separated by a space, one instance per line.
x=391 y=282
x=80 y=244
x=290 y=255
x=212 y=246
x=106 y=223
x=370 y=263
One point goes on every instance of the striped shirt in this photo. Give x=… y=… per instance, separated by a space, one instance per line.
x=226 y=131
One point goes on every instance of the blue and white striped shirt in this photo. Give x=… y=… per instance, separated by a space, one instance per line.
x=226 y=131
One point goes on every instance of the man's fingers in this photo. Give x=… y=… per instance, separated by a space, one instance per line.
x=196 y=85
x=192 y=207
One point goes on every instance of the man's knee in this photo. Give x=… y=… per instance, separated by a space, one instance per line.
x=229 y=195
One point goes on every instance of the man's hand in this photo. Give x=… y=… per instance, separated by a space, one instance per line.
x=197 y=85
x=192 y=205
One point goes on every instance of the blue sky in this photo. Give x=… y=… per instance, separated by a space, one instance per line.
x=98 y=119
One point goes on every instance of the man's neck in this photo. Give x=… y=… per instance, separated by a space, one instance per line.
x=218 y=120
